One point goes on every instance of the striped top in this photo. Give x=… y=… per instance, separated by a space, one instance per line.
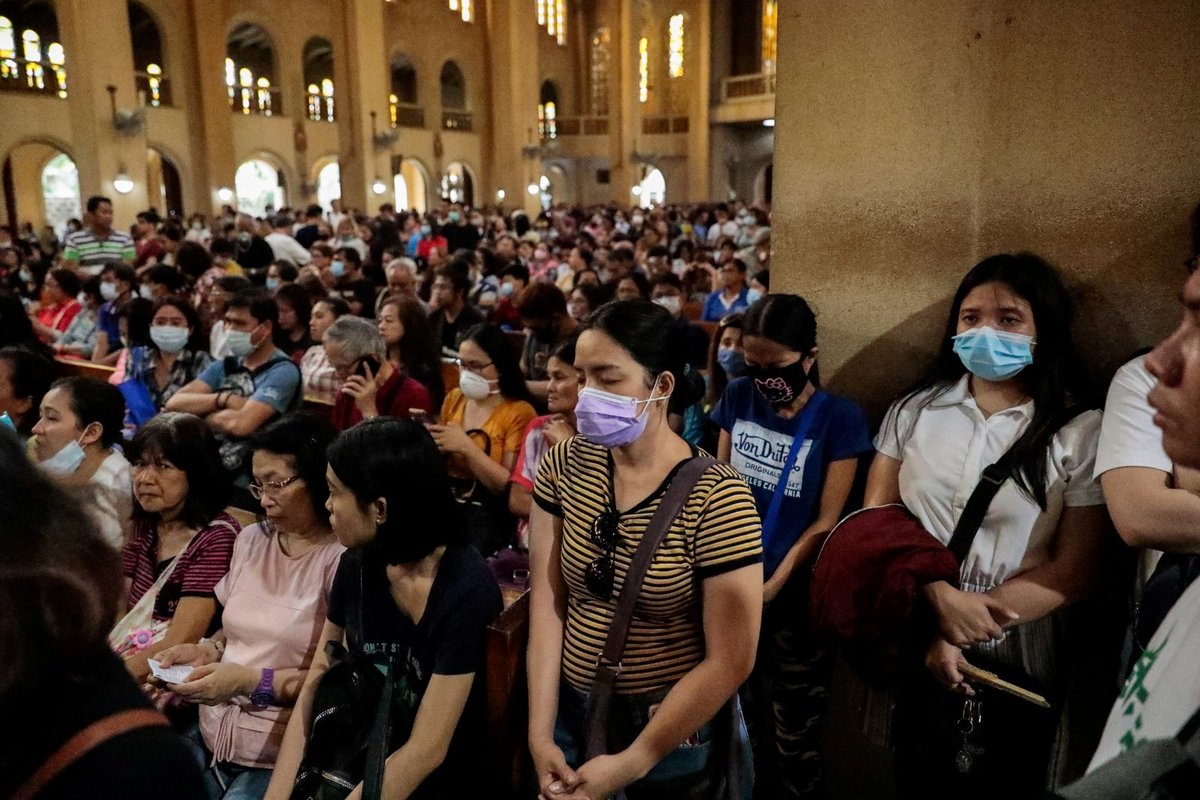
x=93 y=253
x=201 y=565
x=717 y=531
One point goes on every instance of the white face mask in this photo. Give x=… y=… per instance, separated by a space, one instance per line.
x=475 y=387
x=66 y=460
x=168 y=338
x=670 y=303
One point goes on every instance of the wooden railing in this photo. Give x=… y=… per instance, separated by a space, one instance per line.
x=664 y=124
x=408 y=116
x=748 y=85
x=456 y=121
x=582 y=126
x=258 y=100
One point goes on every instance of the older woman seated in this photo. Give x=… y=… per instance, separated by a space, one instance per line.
x=248 y=675
x=372 y=386
x=181 y=541
x=75 y=438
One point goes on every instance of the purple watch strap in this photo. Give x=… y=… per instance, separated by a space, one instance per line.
x=264 y=694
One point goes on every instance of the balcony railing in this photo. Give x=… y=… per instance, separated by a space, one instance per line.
x=261 y=100
x=749 y=86
x=582 y=126
x=319 y=107
x=456 y=121
x=405 y=115
x=664 y=124
x=38 y=77
x=153 y=89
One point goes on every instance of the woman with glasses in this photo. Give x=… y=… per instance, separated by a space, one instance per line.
x=481 y=429
x=410 y=586
x=248 y=675
x=181 y=540
x=692 y=641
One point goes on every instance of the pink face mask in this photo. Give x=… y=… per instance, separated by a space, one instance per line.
x=610 y=420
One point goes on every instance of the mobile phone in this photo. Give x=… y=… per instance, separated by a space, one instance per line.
x=419 y=416
x=364 y=363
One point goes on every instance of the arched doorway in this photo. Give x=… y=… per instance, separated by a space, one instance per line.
x=653 y=188
x=329 y=184
x=41 y=186
x=412 y=189
x=163 y=185
x=260 y=187
x=458 y=184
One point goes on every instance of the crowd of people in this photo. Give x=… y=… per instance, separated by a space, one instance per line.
x=423 y=409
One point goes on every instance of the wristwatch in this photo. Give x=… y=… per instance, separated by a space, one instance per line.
x=264 y=693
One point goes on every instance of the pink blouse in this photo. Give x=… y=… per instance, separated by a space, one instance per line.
x=274 y=611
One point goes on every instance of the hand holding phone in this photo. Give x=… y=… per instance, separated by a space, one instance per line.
x=419 y=416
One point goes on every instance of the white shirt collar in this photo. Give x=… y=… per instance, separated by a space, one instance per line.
x=960 y=394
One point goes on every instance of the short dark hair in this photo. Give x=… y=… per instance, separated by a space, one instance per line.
x=30 y=375
x=516 y=270
x=304 y=438
x=658 y=251
x=187 y=442
x=586 y=254
x=396 y=459
x=94 y=202
x=287 y=270
x=460 y=282
x=541 y=301
x=621 y=254
x=171 y=231
x=67 y=280
x=169 y=277
x=233 y=284
x=763 y=276
x=260 y=305
x=121 y=272
x=350 y=254
x=313 y=211
x=95 y=401
x=668 y=279
x=193 y=260
x=222 y=247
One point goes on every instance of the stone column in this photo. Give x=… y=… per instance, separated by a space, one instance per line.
x=214 y=162
x=360 y=61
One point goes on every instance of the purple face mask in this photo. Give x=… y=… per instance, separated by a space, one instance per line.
x=610 y=420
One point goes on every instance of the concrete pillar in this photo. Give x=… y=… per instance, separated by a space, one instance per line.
x=214 y=162
x=95 y=36
x=513 y=91
x=360 y=62
x=700 y=54
x=624 y=106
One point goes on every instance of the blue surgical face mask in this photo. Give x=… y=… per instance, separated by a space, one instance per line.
x=169 y=338
x=732 y=361
x=507 y=289
x=25 y=275
x=994 y=355
x=240 y=343
x=753 y=296
x=426 y=230
x=337 y=268
x=272 y=284
x=66 y=460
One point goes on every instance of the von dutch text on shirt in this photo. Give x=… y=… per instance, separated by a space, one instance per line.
x=759 y=454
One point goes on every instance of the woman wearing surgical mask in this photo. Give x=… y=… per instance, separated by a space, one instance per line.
x=75 y=439
x=776 y=421
x=175 y=357
x=1007 y=372
x=481 y=428
x=692 y=642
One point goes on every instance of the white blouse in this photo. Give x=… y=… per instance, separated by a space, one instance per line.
x=944 y=451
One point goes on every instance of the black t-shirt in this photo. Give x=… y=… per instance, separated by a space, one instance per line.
x=448 y=640
x=142 y=764
x=461 y=236
x=449 y=333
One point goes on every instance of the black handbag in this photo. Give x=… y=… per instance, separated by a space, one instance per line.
x=356 y=721
x=489 y=525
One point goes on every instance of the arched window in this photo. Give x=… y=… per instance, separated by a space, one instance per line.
x=458 y=186
x=329 y=184
x=548 y=111
x=675 y=45
x=599 y=71
x=465 y=8
x=148 y=57
x=770 y=27
x=250 y=71
x=454 y=87
x=643 y=69
x=402 y=101
x=259 y=187
x=318 y=78
x=552 y=15
x=31 y=57
x=60 y=191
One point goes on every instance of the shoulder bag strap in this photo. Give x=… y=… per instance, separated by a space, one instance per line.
x=377 y=748
x=807 y=418
x=609 y=665
x=83 y=743
x=995 y=476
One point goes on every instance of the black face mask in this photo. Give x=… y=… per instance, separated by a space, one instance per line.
x=779 y=385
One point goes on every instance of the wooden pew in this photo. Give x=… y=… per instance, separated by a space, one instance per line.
x=507 y=705
x=87 y=369
x=449 y=375
x=693 y=311
x=319 y=406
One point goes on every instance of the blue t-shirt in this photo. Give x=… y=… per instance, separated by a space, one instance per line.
x=761 y=440
x=714 y=306
x=275 y=384
x=106 y=320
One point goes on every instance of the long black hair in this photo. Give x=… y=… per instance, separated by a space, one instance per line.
x=187 y=442
x=647 y=332
x=1055 y=379
x=397 y=459
x=504 y=355
x=788 y=320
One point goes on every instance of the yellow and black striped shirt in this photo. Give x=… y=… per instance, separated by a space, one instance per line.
x=717 y=531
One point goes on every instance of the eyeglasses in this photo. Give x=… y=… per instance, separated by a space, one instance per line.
x=599 y=574
x=271 y=488
x=472 y=366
